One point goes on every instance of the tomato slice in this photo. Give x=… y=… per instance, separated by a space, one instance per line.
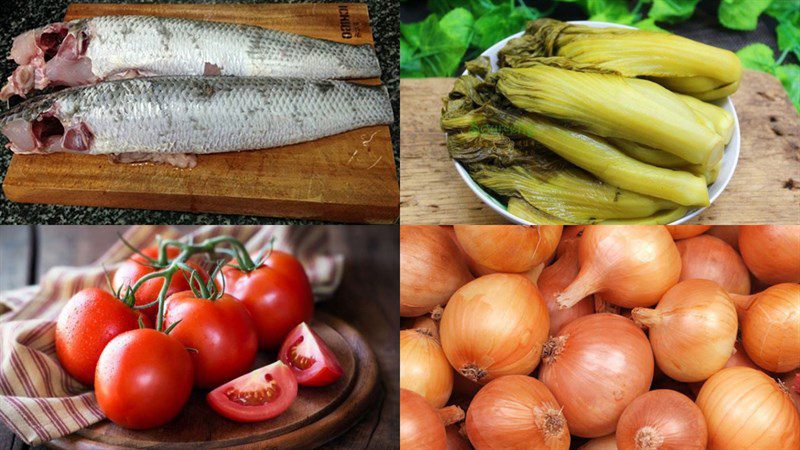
x=259 y=395
x=312 y=362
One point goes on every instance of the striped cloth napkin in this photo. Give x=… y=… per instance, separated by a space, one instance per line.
x=39 y=401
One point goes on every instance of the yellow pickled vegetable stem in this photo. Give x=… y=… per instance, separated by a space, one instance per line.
x=524 y=210
x=679 y=63
x=613 y=106
x=604 y=161
x=568 y=194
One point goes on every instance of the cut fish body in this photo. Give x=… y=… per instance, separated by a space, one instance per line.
x=166 y=118
x=90 y=50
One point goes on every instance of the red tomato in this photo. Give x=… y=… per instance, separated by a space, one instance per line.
x=312 y=362
x=136 y=267
x=143 y=379
x=89 y=320
x=277 y=294
x=260 y=395
x=220 y=330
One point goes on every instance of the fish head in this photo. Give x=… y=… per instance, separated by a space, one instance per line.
x=37 y=126
x=51 y=55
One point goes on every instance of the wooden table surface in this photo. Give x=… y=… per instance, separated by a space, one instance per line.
x=366 y=299
x=765 y=187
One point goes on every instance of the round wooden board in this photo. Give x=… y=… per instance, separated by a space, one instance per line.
x=317 y=415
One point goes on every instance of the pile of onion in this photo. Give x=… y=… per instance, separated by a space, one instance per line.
x=630 y=265
x=431 y=269
x=494 y=326
x=746 y=409
x=595 y=367
x=692 y=330
x=771 y=252
x=770 y=324
x=516 y=411
x=508 y=248
x=661 y=420
x=424 y=368
x=708 y=258
x=555 y=278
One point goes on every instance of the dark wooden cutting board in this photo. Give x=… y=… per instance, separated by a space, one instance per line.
x=316 y=416
x=765 y=187
x=348 y=177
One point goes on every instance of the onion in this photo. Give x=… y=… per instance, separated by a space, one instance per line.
x=746 y=409
x=508 y=248
x=692 y=330
x=494 y=326
x=728 y=233
x=431 y=269
x=686 y=231
x=596 y=366
x=427 y=325
x=738 y=359
x=424 y=368
x=631 y=265
x=516 y=411
x=662 y=420
x=602 y=443
x=708 y=258
x=771 y=252
x=770 y=323
x=554 y=279
x=420 y=425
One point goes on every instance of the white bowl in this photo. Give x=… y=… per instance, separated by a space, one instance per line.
x=729 y=159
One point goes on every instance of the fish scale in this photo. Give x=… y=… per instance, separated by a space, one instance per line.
x=208 y=114
x=172 y=46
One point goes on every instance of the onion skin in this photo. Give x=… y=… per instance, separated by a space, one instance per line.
x=708 y=258
x=595 y=367
x=662 y=420
x=516 y=412
x=508 y=248
x=431 y=269
x=554 y=279
x=771 y=252
x=770 y=324
x=746 y=409
x=602 y=443
x=494 y=326
x=420 y=425
x=631 y=266
x=424 y=368
x=686 y=231
x=692 y=330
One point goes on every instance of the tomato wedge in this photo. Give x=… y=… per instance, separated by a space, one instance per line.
x=312 y=362
x=259 y=395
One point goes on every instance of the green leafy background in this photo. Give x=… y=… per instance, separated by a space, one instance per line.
x=457 y=30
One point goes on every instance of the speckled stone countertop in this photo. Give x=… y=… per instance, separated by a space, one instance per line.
x=22 y=15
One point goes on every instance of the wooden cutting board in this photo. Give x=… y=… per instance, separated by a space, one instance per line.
x=350 y=177
x=765 y=186
x=316 y=416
